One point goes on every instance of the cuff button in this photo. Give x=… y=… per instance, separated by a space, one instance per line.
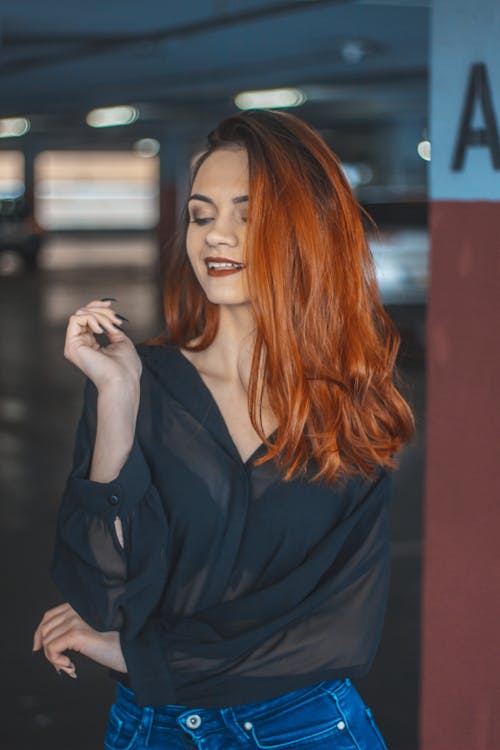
x=113 y=500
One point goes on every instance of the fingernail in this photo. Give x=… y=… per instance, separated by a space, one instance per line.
x=118 y=328
x=72 y=674
x=58 y=672
x=106 y=299
x=122 y=317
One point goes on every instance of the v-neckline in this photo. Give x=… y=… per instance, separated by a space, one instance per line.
x=218 y=411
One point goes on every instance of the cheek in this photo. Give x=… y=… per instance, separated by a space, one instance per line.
x=191 y=248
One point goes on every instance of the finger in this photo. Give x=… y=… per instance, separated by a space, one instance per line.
x=37 y=639
x=54 y=651
x=96 y=321
x=65 y=665
x=112 y=327
x=111 y=315
x=48 y=615
x=94 y=324
x=55 y=610
x=57 y=625
x=53 y=648
x=54 y=658
x=71 y=672
x=105 y=303
x=64 y=662
x=68 y=672
x=37 y=642
x=102 y=316
x=60 y=633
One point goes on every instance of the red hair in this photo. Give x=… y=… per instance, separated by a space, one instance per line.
x=327 y=346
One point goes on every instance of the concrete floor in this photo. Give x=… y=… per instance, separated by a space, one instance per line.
x=40 y=399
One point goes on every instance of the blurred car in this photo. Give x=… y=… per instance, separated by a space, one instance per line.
x=19 y=233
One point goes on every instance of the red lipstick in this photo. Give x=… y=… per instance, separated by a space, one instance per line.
x=222 y=266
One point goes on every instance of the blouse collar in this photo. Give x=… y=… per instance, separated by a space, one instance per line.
x=186 y=385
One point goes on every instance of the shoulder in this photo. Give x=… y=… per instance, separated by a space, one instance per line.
x=154 y=352
x=159 y=360
x=362 y=493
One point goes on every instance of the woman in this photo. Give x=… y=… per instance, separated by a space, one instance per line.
x=222 y=542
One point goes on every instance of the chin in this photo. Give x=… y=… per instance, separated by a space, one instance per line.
x=232 y=294
x=226 y=299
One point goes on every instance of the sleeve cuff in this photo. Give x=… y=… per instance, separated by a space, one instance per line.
x=117 y=497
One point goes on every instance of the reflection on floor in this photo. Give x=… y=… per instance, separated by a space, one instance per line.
x=39 y=403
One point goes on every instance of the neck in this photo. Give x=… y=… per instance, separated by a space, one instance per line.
x=230 y=354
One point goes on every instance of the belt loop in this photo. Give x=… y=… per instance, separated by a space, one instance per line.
x=147 y=719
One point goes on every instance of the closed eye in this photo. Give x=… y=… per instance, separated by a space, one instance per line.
x=200 y=222
x=203 y=221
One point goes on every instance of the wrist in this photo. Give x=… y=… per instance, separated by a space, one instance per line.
x=107 y=650
x=120 y=389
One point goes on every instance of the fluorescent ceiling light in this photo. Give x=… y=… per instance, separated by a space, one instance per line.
x=357 y=174
x=147 y=147
x=424 y=150
x=13 y=127
x=270 y=99
x=108 y=117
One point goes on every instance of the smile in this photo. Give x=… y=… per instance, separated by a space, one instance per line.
x=223 y=264
x=223 y=269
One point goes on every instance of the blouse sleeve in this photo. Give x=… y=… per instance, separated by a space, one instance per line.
x=111 y=588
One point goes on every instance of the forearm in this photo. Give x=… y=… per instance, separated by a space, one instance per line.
x=105 y=649
x=117 y=407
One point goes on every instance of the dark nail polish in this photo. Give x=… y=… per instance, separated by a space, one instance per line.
x=106 y=299
x=118 y=328
x=122 y=317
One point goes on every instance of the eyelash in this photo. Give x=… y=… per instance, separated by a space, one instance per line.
x=202 y=222
x=199 y=221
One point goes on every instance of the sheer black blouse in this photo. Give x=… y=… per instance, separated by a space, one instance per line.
x=233 y=586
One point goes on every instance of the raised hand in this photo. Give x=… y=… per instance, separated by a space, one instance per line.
x=115 y=363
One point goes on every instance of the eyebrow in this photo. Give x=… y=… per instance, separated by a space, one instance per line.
x=206 y=199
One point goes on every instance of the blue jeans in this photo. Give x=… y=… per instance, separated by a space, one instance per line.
x=327 y=716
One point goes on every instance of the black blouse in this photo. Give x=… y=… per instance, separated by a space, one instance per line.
x=233 y=586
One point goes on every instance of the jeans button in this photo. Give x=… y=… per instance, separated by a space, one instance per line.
x=193 y=721
x=248 y=725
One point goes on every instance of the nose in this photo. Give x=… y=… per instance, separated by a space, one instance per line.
x=221 y=232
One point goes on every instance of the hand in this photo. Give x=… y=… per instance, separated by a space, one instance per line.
x=62 y=628
x=116 y=362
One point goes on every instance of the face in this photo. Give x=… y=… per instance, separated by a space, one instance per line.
x=217 y=225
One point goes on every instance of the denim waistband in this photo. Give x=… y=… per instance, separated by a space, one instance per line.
x=168 y=715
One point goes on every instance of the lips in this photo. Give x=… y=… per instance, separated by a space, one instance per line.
x=223 y=271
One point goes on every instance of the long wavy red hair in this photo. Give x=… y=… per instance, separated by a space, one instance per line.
x=325 y=349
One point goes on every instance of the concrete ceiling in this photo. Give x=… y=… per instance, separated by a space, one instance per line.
x=182 y=63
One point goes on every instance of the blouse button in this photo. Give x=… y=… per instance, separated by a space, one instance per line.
x=248 y=725
x=340 y=725
x=193 y=721
x=113 y=500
